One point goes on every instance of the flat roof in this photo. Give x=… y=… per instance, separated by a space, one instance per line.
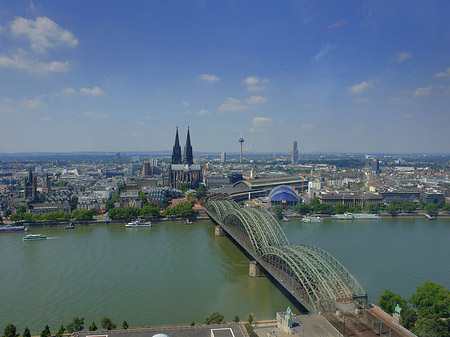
x=237 y=329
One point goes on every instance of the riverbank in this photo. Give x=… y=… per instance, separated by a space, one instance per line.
x=382 y=215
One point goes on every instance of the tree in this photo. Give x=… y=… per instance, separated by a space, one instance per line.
x=236 y=318
x=372 y=208
x=314 y=203
x=215 y=318
x=431 y=208
x=122 y=187
x=303 y=208
x=22 y=209
x=73 y=203
x=201 y=191
x=193 y=323
x=107 y=323
x=143 y=198
x=10 y=331
x=431 y=327
x=250 y=318
x=325 y=208
x=124 y=325
x=93 y=327
x=76 y=325
x=446 y=208
x=389 y=300
x=409 y=317
x=150 y=210
x=26 y=332
x=46 y=332
x=278 y=210
x=408 y=206
x=341 y=208
x=432 y=299
x=185 y=187
x=60 y=331
x=83 y=214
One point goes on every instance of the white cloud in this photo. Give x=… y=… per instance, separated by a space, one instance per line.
x=138 y=123
x=45 y=118
x=185 y=103
x=95 y=91
x=420 y=92
x=95 y=114
x=323 y=52
x=232 y=104
x=307 y=126
x=43 y=33
x=203 y=112
x=32 y=103
x=402 y=56
x=21 y=61
x=361 y=87
x=257 y=100
x=445 y=73
x=254 y=83
x=361 y=100
x=337 y=24
x=259 y=121
x=68 y=92
x=209 y=78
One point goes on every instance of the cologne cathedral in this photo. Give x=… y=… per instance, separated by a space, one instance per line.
x=183 y=170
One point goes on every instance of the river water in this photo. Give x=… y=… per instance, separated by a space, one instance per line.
x=174 y=273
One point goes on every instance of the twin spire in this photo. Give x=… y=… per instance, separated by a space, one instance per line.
x=176 y=154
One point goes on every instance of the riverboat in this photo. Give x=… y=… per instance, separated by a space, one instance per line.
x=13 y=228
x=345 y=216
x=312 y=219
x=284 y=219
x=355 y=216
x=70 y=226
x=138 y=223
x=33 y=237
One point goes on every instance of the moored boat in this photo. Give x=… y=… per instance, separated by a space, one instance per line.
x=70 y=225
x=13 y=228
x=138 y=223
x=32 y=237
x=345 y=216
x=312 y=219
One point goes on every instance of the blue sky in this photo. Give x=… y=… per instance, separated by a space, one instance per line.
x=344 y=76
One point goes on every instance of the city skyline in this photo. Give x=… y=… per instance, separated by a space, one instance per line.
x=336 y=77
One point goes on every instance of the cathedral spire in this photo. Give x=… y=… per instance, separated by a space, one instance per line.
x=188 y=157
x=176 y=154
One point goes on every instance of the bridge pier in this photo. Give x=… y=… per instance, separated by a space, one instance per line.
x=256 y=270
x=219 y=231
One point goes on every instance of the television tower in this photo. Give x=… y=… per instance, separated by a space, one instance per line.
x=241 y=140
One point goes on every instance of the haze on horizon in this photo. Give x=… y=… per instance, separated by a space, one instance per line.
x=116 y=76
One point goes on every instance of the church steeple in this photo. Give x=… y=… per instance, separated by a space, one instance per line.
x=188 y=157
x=176 y=154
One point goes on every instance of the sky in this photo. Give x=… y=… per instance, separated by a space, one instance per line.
x=336 y=76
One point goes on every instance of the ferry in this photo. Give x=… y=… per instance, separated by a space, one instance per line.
x=355 y=216
x=138 y=223
x=32 y=237
x=13 y=228
x=312 y=219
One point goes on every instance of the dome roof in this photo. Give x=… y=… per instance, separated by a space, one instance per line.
x=283 y=192
x=160 y=335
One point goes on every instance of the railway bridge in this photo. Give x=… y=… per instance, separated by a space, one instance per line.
x=311 y=275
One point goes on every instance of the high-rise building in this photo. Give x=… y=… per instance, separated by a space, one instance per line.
x=47 y=185
x=241 y=140
x=294 y=153
x=376 y=166
x=223 y=157
x=181 y=170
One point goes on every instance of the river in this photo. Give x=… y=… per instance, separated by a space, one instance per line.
x=174 y=273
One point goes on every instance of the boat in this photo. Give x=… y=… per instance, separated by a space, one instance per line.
x=345 y=216
x=70 y=225
x=188 y=222
x=13 y=228
x=284 y=219
x=312 y=219
x=32 y=237
x=366 y=216
x=138 y=223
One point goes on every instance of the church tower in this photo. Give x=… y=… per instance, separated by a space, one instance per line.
x=188 y=157
x=176 y=154
x=30 y=187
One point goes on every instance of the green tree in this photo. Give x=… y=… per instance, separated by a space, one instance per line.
x=431 y=208
x=73 y=203
x=389 y=300
x=408 y=206
x=46 y=332
x=185 y=187
x=201 y=190
x=431 y=327
x=122 y=187
x=107 y=323
x=93 y=327
x=303 y=208
x=150 y=211
x=236 y=318
x=26 y=332
x=60 y=331
x=215 y=318
x=341 y=208
x=314 y=203
x=183 y=209
x=446 y=208
x=10 y=331
x=193 y=323
x=250 y=318
x=409 y=317
x=325 y=208
x=278 y=210
x=372 y=208
x=431 y=299
x=143 y=198
x=83 y=214
x=22 y=209
x=124 y=325
x=76 y=325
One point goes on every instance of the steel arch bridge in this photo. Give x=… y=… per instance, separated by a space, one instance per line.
x=313 y=276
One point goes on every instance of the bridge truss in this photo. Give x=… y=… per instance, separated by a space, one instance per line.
x=308 y=272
